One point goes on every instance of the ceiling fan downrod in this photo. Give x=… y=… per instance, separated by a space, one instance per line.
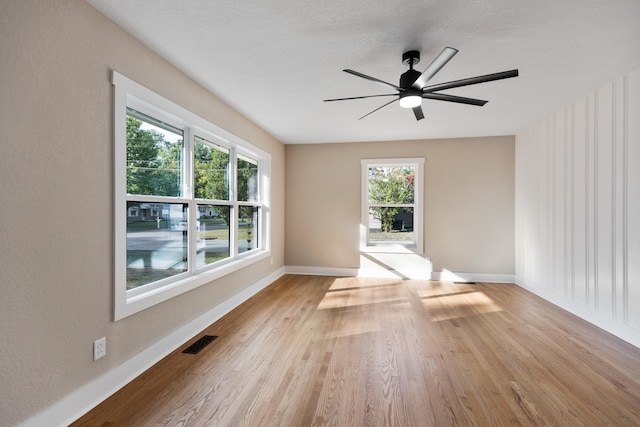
x=407 y=78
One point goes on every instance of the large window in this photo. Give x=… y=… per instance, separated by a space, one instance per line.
x=190 y=200
x=392 y=204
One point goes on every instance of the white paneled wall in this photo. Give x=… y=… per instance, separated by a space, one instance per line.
x=578 y=208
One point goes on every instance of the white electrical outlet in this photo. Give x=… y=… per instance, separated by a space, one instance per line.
x=99 y=348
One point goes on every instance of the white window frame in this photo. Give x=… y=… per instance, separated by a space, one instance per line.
x=131 y=94
x=417 y=245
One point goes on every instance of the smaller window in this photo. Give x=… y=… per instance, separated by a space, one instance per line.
x=392 y=204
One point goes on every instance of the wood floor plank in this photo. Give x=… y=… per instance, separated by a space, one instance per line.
x=329 y=351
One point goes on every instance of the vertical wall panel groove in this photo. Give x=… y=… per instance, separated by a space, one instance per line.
x=568 y=211
x=612 y=191
x=551 y=199
x=587 y=197
x=558 y=195
x=618 y=257
x=572 y=197
x=590 y=202
x=625 y=197
x=594 y=182
x=604 y=222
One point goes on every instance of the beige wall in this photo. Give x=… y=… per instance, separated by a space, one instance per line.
x=56 y=184
x=469 y=202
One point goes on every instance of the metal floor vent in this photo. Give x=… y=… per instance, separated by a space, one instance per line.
x=465 y=283
x=200 y=344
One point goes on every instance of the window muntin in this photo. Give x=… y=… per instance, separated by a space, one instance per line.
x=392 y=204
x=177 y=203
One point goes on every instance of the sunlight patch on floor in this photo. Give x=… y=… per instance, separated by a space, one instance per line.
x=355 y=297
x=349 y=283
x=459 y=305
x=364 y=306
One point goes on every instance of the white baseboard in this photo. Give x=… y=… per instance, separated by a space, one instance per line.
x=86 y=398
x=472 y=277
x=358 y=272
x=322 y=271
x=413 y=274
x=609 y=324
x=396 y=274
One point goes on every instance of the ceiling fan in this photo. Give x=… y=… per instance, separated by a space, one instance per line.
x=413 y=84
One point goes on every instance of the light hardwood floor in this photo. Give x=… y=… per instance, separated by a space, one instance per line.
x=325 y=351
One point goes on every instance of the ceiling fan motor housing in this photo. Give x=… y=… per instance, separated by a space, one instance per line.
x=408 y=77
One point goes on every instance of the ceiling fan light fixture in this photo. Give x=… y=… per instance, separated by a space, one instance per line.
x=410 y=101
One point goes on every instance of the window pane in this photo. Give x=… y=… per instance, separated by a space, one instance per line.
x=154 y=156
x=213 y=234
x=391 y=185
x=390 y=224
x=211 y=166
x=156 y=241
x=247 y=179
x=247 y=228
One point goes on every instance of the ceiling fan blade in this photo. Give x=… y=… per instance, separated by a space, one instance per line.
x=435 y=66
x=471 y=81
x=379 y=108
x=453 y=98
x=359 y=97
x=418 y=112
x=373 y=79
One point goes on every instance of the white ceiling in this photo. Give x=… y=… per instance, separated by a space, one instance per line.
x=276 y=60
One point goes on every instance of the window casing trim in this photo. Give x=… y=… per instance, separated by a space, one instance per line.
x=128 y=93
